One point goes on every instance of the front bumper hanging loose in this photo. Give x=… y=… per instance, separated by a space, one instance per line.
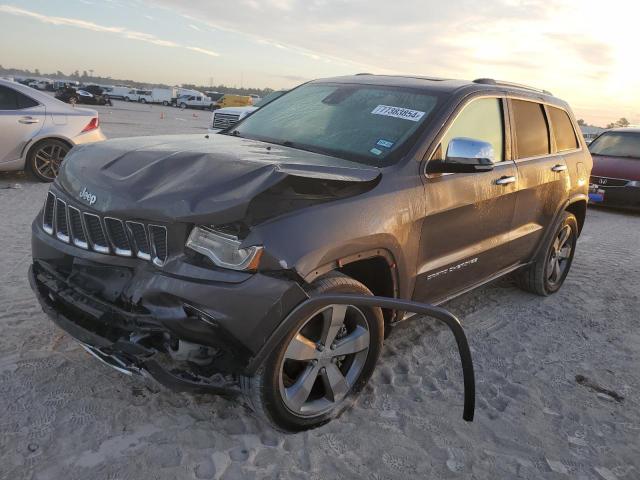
x=308 y=307
x=133 y=358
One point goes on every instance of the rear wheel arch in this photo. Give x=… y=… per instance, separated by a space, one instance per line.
x=35 y=141
x=579 y=210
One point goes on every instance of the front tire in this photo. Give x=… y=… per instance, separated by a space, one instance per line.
x=322 y=364
x=183 y=106
x=45 y=158
x=549 y=270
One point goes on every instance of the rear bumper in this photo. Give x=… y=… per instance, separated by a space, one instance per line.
x=92 y=136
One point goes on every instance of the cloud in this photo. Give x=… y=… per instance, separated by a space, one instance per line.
x=203 y=51
x=87 y=25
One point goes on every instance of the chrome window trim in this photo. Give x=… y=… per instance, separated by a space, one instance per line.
x=118 y=251
x=139 y=254
x=61 y=236
x=94 y=246
x=76 y=242
x=545 y=103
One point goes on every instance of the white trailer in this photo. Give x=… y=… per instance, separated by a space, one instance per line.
x=159 y=95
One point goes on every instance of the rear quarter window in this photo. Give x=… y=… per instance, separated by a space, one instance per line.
x=13 y=100
x=562 y=129
x=532 y=133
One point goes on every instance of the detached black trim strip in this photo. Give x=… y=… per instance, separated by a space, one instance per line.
x=311 y=305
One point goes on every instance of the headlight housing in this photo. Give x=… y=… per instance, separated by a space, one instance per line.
x=223 y=249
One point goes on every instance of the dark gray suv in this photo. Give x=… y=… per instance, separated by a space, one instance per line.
x=178 y=257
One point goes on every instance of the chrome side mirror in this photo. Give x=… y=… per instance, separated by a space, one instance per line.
x=464 y=155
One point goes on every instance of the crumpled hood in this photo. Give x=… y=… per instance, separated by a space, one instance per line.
x=191 y=178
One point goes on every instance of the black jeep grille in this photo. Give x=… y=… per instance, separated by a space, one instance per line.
x=61 y=225
x=104 y=234
x=77 y=229
x=159 y=242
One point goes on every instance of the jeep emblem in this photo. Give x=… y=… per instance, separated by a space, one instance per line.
x=89 y=197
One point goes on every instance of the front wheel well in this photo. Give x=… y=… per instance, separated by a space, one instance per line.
x=378 y=275
x=579 y=210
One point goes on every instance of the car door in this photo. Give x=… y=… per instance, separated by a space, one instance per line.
x=21 y=118
x=468 y=218
x=542 y=173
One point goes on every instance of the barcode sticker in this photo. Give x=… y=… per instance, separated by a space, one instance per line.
x=397 y=112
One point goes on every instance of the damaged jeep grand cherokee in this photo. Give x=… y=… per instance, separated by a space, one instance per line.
x=179 y=257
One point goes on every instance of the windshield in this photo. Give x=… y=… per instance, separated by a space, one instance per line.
x=269 y=98
x=617 y=144
x=363 y=123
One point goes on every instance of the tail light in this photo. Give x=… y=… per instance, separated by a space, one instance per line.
x=92 y=125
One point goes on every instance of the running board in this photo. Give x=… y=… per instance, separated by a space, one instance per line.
x=308 y=307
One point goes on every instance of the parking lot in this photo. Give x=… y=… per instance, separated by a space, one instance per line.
x=130 y=119
x=557 y=379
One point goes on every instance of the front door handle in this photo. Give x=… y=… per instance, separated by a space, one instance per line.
x=558 y=168
x=28 y=120
x=505 y=180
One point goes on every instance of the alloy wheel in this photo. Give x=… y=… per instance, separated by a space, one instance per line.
x=324 y=360
x=47 y=160
x=559 y=257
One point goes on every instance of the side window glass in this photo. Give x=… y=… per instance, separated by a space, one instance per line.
x=532 y=133
x=482 y=119
x=563 y=129
x=24 y=101
x=8 y=100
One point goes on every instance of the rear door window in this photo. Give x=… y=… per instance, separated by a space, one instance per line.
x=12 y=100
x=532 y=132
x=480 y=120
x=562 y=129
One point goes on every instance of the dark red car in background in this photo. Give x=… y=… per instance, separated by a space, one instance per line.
x=615 y=178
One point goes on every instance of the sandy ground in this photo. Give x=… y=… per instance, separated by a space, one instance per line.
x=63 y=415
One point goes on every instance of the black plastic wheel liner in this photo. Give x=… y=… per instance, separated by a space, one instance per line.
x=308 y=307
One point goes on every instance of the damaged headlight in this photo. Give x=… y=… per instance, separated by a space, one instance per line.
x=223 y=249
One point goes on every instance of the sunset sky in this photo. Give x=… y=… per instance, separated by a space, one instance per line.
x=583 y=51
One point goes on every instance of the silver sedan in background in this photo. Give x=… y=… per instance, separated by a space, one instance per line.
x=37 y=131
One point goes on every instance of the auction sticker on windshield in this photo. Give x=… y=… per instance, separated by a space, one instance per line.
x=397 y=112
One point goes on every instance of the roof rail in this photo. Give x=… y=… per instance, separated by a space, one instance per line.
x=491 y=81
x=363 y=74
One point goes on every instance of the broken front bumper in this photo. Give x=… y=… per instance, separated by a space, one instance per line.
x=142 y=319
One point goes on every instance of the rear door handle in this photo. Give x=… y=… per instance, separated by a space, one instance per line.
x=505 y=180
x=558 y=168
x=28 y=120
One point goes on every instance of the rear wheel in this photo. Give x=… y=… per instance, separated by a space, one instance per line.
x=322 y=364
x=127 y=99
x=45 y=158
x=551 y=267
x=142 y=100
x=165 y=103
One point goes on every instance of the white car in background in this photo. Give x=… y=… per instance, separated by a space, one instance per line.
x=137 y=95
x=37 y=131
x=227 y=117
x=199 y=100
